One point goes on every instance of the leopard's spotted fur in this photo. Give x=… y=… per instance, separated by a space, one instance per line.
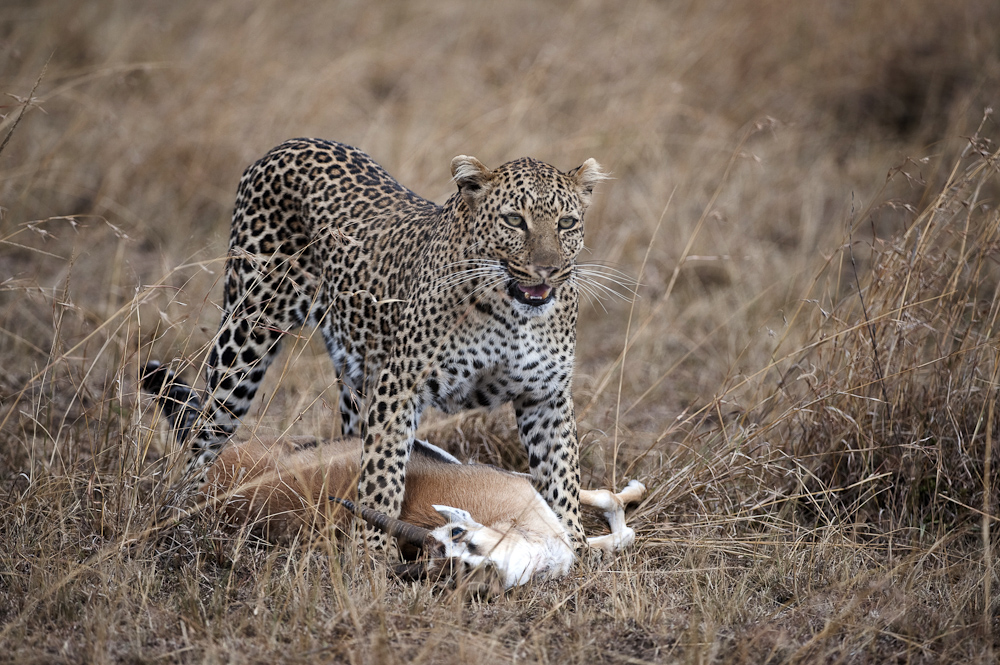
x=473 y=303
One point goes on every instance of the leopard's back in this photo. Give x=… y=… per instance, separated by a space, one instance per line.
x=313 y=211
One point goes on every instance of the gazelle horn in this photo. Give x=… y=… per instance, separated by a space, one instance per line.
x=405 y=532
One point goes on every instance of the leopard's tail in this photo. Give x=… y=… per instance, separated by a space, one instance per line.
x=179 y=402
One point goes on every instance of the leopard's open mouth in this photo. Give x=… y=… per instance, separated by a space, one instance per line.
x=535 y=296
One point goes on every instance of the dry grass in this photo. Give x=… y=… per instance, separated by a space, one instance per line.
x=806 y=382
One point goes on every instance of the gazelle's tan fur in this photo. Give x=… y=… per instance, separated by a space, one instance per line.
x=481 y=515
x=284 y=484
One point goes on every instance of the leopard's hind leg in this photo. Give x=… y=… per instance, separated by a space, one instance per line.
x=268 y=294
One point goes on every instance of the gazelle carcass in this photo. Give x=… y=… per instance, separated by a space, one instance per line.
x=474 y=514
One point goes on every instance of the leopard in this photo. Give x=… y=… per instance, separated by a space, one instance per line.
x=469 y=304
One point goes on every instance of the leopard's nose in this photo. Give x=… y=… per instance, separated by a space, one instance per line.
x=544 y=272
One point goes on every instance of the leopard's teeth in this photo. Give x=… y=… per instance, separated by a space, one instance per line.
x=538 y=292
x=536 y=295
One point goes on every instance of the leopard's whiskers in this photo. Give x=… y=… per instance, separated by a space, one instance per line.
x=461 y=277
x=478 y=269
x=478 y=262
x=605 y=268
x=586 y=291
x=485 y=286
x=604 y=288
x=592 y=273
x=600 y=291
x=601 y=271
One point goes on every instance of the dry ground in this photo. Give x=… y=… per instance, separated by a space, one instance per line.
x=805 y=192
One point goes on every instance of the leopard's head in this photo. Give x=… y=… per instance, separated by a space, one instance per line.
x=528 y=219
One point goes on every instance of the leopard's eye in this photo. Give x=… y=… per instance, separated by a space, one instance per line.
x=568 y=222
x=515 y=220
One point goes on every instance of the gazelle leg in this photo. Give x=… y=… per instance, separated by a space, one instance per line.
x=612 y=504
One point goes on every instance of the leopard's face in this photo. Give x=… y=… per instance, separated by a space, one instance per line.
x=528 y=219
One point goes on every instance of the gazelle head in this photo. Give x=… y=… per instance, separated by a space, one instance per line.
x=515 y=555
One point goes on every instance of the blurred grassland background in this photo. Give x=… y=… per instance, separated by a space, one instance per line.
x=804 y=192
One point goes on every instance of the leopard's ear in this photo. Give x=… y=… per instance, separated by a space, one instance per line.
x=472 y=178
x=586 y=176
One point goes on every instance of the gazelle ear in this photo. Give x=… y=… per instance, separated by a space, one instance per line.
x=456 y=516
x=472 y=178
x=586 y=176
